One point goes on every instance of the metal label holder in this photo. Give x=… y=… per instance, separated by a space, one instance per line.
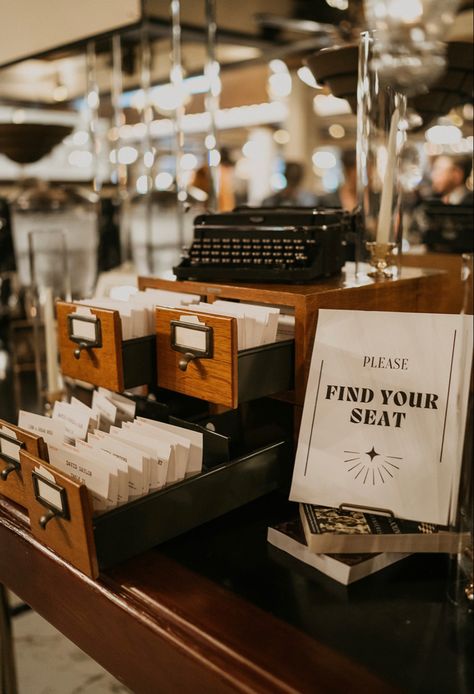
x=60 y=510
x=191 y=353
x=82 y=341
x=367 y=509
x=12 y=463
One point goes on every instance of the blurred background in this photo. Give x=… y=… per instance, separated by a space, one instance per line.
x=88 y=125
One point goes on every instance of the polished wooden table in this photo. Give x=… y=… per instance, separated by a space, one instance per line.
x=159 y=626
x=219 y=610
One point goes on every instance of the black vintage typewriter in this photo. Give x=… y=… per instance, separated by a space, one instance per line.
x=267 y=244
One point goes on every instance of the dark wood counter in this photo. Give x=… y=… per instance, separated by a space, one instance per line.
x=220 y=610
x=158 y=626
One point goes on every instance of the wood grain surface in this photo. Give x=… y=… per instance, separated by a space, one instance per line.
x=213 y=379
x=452 y=297
x=73 y=538
x=101 y=366
x=14 y=487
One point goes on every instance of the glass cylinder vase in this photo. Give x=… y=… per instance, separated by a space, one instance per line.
x=43 y=205
x=50 y=280
x=380 y=135
x=461 y=564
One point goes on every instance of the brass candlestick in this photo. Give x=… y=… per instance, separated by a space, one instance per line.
x=382 y=259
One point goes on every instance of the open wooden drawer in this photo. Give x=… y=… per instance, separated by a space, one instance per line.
x=197 y=355
x=11 y=474
x=61 y=514
x=92 y=349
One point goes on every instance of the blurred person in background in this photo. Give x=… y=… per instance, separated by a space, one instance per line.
x=449 y=175
x=293 y=194
x=225 y=195
x=424 y=208
x=346 y=194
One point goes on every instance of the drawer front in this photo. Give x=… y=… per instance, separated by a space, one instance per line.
x=11 y=474
x=213 y=378
x=101 y=366
x=60 y=513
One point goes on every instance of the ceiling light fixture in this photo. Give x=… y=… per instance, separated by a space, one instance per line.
x=409 y=52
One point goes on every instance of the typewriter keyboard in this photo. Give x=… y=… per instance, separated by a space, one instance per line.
x=263 y=253
x=284 y=252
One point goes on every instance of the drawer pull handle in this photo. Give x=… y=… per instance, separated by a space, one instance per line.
x=49 y=515
x=85 y=331
x=194 y=341
x=7 y=470
x=78 y=350
x=12 y=464
x=185 y=359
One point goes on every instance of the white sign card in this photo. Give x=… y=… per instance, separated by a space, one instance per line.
x=384 y=414
x=52 y=430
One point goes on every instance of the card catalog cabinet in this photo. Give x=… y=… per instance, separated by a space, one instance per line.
x=94 y=351
x=248 y=449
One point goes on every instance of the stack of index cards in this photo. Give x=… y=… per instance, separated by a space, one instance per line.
x=118 y=456
x=136 y=308
x=256 y=325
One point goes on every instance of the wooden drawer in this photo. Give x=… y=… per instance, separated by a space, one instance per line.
x=11 y=473
x=201 y=359
x=60 y=511
x=93 y=543
x=94 y=352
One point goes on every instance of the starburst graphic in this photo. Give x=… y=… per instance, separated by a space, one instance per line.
x=372 y=467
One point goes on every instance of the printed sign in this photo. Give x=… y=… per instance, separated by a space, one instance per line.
x=384 y=414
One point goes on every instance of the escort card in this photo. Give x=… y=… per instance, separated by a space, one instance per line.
x=105 y=409
x=53 y=431
x=138 y=474
x=96 y=477
x=157 y=451
x=94 y=418
x=125 y=407
x=195 y=439
x=384 y=414
x=180 y=445
x=118 y=489
x=75 y=419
